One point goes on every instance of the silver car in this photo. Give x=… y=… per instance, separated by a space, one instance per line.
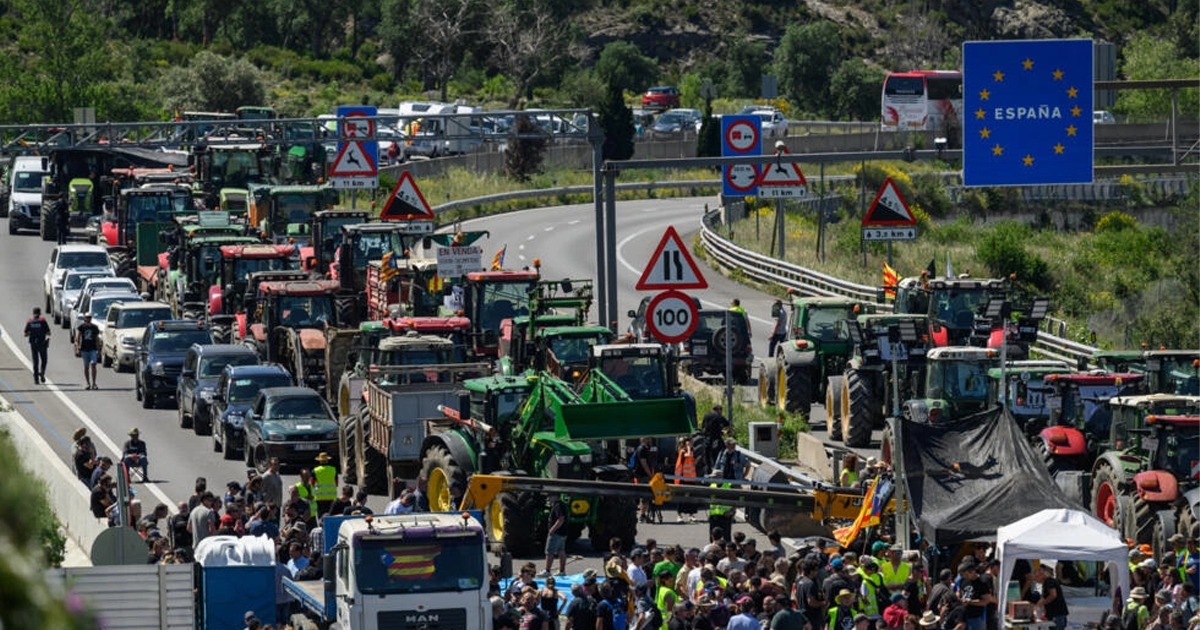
x=97 y=305
x=90 y=286
x=66 y=293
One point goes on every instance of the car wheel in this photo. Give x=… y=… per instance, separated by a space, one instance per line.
x=105 y=360
x=12 y=227
x=215 y=444
x=226 y=448
x=185 y=421
x=137 y=388
x=147 y=400
x=248 y=453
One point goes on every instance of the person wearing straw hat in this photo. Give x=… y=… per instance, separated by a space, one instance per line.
x=326 y=486
x=841 y=614
x=929 y=620
x=1135 y=614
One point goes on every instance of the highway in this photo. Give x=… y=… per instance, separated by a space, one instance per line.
x=562 y=237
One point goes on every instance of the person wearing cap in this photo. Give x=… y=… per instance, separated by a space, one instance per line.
x=665 y=597
x=325 y=483
x=637 y=559
x=37 y=331
x=1135 y=614
x=1050 y=597
x=745 y=618
x=251 y=620
x=975 y=595
x=870 y=589
x=897 y=610
x=87 y=346
x=779 y=327
x=730 y=462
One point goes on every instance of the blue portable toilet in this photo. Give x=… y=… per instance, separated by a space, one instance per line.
x=234 y=575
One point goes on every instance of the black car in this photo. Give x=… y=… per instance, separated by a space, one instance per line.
x=202 y=366
x=235 y=391
x=704 y=350
x=291 y=423
x=160 y=356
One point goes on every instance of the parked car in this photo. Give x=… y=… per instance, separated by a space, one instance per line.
x=90 y=286
x=202 y=366
x=160 y=357
x=66 y=293
x=123 y=330
x=235 y=391
x=661 y=97
x=704 y=351
x=675 y=122
x=66 y=257
x=1101 y=117
x=96 y=304
x=292 y=424
x=24 y=204
x=774 y=124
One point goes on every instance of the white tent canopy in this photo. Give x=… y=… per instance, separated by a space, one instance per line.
x=1061 y=535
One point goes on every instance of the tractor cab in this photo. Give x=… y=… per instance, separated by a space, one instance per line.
x=1081 y=401
x=1026 y=389
x=298 y=304
x=237 y=264
x=1130 y=414
x=284 y=213
x=953 y=306
x=490 y=297
x=327 y=236
x=1173 y=371
x=413 y=349
x=955 y=385
x=642 y=370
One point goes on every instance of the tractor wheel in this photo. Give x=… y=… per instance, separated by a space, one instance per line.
x=441 y=472
x=347 y=309
x=861 y=412
x=614 y=517
x=793 y=389
x=222 y=333
x=1053 y=464
x=346 y=452
x=833 y=407
x=887 y=446
x=1108 y=504
x=766 y=387
x=1144 y=517
x=47 y=229
x=374 y=471
x=1187 y=523
x=1158 y=539
x=520 y=513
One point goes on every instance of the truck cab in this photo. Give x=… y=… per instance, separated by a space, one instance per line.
x=404 y=571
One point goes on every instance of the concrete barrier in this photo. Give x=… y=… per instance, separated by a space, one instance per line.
x=811 y=454
x=69 y=499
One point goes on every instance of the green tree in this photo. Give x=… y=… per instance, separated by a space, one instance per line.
x=212 y=82
x=855 y=89
x=805 y=61
x=527 y=41
x=747 y=61
x=1002 y=251
x=442 y=28
x=624 y=68
x=524 y=154
x=1150 y=57
x=616 y=119
x=397 y=33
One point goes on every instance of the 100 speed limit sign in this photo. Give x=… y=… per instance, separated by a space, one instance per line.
x=671 y=316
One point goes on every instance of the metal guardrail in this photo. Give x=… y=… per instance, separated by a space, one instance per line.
x=813 y=283
x=571 y=190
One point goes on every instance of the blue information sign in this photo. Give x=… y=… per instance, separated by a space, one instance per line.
x=1027 y=112
x=740 y=135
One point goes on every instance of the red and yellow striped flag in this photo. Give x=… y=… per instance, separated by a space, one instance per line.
x=890 y=280
x=411 y=563
x=846 y=535
x=388 y=268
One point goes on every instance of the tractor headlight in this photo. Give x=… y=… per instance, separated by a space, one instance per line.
x=586 y=458
x=564 y=459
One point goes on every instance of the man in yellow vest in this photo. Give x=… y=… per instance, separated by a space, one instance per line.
x=664 y=594
x=868 y=593
x=720 y=515
x=894 y=572
x=304 y=491
x=325 y=485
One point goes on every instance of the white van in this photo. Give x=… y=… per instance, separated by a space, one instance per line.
x=25 y=194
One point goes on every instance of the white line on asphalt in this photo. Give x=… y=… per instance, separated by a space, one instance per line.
x=636 y=270
x=548 y=229
x=83 y=417
x=521 y=246
x=531 y=237
x=573 y=222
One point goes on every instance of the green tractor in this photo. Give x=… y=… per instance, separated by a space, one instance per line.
x=1026 y=391
x=539 y=426
x=810 y=361
x=864 y=395
x=1167 y=371
x=554 y=336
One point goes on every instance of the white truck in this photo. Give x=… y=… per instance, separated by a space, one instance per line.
x=406 y=571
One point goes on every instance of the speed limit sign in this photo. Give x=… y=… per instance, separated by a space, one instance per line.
x=671 y=316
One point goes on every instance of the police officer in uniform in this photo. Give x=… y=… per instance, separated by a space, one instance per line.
x=38 y=332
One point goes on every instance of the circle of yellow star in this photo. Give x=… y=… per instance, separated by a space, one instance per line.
x=998 y=76
x=984 y=94
x=980 y=114
x=1027 y=64
x=1058 y=74
x=1072 y=92
x=985 y=133
x=1075 y=111
x=1028 y=160
x=1071 y=130
x=1058 y=149
x=997 y=150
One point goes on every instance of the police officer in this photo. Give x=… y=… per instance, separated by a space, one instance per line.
x=38 y=332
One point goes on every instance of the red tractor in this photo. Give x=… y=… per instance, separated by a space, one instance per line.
x=238 y=263
x=1079 y=417
x=956 y=308
x=289 y=323
x=490 y=297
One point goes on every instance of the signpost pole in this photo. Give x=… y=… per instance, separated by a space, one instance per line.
x=729 y=366
x=779 y=222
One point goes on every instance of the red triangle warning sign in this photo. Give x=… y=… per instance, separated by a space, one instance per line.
x=353 y=161
x=406 y=203
x=782 y=175
x=889 y=208
x=671 y=266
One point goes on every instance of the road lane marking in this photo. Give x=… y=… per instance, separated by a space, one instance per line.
x=531 y=237
x=83 y=417
x=548 y=229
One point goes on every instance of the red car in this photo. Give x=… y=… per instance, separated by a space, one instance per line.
x=663 y=96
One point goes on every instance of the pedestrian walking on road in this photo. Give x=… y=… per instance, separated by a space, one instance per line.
x=87 y=346
x=272 y=485
x=779 y=331
x=38 y=333
x=326 y=483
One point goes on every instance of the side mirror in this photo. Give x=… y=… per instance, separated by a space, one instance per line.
x=631 y=314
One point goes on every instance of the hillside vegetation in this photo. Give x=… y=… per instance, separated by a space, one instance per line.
x=148 y=59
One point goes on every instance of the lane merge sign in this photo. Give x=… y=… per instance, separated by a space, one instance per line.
x=671 y=266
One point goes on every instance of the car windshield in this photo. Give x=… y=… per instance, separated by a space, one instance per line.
x=711 y=321
x=640 y=377
x=99 y=308
x=305 y=310
x=502 y=301
x=28 y=181
x=373 y=245
x=109 y=284
x=75 y=281
x=139 y=317
x=297 y=407
x=178 y=340
x=428 y=565
x=245 y=389
x=212 y=366
x=159 y=207
x=573 y=349
x=297 y=207
x=243 y=267
x=670 y=119
x=959 y=381
x=72 y=260
x=824 y=324
x=1180 y=449
x=957 y=307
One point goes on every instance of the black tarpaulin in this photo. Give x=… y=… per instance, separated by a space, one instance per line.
x=966 y=478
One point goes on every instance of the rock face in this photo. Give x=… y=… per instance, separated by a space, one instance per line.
x=1027 y=19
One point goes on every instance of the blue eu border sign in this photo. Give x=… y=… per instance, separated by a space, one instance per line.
x=1027 y=112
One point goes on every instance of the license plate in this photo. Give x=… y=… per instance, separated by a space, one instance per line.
x=307 y=447
x=700 y=351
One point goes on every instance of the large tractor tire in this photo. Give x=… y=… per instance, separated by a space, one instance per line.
x=1187 y=523
x=615 y=517
x=520 y=515
x=346 y=451
x=861 y=410
x=793 y=388
x=1109 y=504
x=833 y=407
x=124 y=265
x=1053 y=464
x=48 y=229
x=1144 y=516
x=373 y=471
x=441 y=472
x=348 y=312
x=766 y=387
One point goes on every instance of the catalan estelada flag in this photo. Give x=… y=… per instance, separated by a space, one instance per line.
x=890 y=280
x=872 y=507
x=498 y=259
x=410 y=563
x=388 y=268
